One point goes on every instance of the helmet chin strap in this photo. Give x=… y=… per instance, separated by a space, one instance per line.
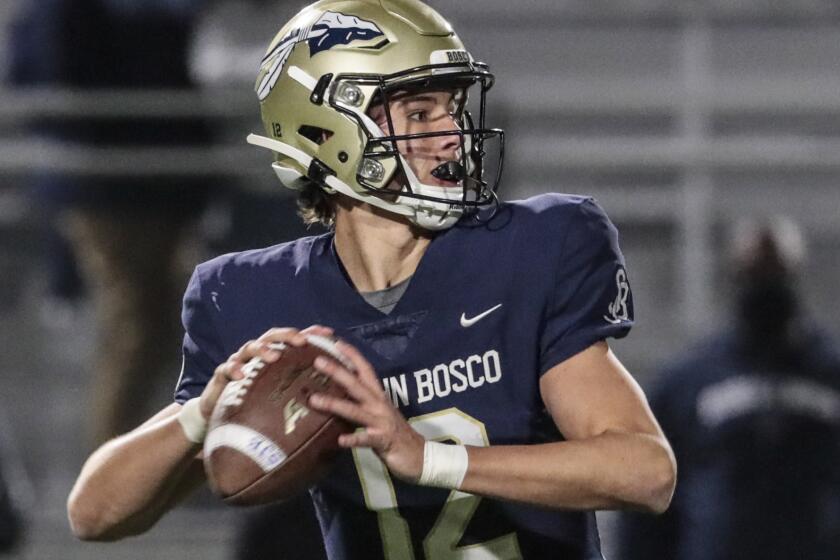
x=423 y=213
x=430 y=214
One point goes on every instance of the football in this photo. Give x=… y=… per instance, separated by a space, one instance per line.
x=264 y=443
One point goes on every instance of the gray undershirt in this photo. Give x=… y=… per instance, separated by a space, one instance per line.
x=385 y=300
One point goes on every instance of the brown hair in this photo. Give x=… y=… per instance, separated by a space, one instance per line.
x=315 y=206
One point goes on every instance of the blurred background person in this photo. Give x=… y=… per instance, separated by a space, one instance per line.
x=753 y=415
x=126 y=231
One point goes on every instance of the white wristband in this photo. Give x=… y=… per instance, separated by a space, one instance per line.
x=193 y=421
x=444 y=465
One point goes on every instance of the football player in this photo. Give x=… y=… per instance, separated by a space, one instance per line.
x=493 y=417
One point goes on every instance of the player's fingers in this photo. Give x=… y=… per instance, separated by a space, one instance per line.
x=286 y=335
x=257 y=349
x=225 y=373
x=229 y=371
x=222 y=375
x=363 y=368
x=319 y=330
x=373 y=437
x=348 y=380
x=359 y=438
x=348 y=410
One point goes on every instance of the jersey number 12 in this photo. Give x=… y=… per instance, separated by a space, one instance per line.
x=442 y=541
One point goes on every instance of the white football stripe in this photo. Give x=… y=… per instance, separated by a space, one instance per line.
x=251 y=443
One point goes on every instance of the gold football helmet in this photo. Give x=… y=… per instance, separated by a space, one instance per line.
x=330 y=64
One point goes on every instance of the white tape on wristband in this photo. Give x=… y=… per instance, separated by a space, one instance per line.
x=193 y=421
x=444 y=465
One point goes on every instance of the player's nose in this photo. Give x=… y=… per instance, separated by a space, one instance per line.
x=449 y=144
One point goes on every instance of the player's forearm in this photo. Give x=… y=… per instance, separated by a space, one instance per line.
x=611 y=471
x=131 y=481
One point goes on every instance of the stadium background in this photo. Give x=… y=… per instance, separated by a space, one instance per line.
x=679 y=116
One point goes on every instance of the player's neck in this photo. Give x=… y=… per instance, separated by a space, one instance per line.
x=377 y=251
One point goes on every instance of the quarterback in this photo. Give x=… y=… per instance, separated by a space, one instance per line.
x=493 y=417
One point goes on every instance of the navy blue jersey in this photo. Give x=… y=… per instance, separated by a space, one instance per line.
x=489 y=309
x=757 y=441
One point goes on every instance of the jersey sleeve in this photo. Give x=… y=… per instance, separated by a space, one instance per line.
x=202 y=348
x=590 y=299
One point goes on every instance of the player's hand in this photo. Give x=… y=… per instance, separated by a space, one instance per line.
x=231 y=370
x=385 y=430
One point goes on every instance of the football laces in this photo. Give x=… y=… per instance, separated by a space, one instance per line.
x=235 y=391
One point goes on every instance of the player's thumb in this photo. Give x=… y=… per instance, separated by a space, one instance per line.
x=223 y=375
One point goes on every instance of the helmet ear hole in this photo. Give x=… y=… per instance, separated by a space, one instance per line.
x=315 y=134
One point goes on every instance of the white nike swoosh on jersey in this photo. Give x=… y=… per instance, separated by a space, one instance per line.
x=473 y=320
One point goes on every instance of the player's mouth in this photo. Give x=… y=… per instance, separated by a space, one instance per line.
x=448 y=174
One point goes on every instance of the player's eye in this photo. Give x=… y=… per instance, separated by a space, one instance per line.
x=419 y=116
